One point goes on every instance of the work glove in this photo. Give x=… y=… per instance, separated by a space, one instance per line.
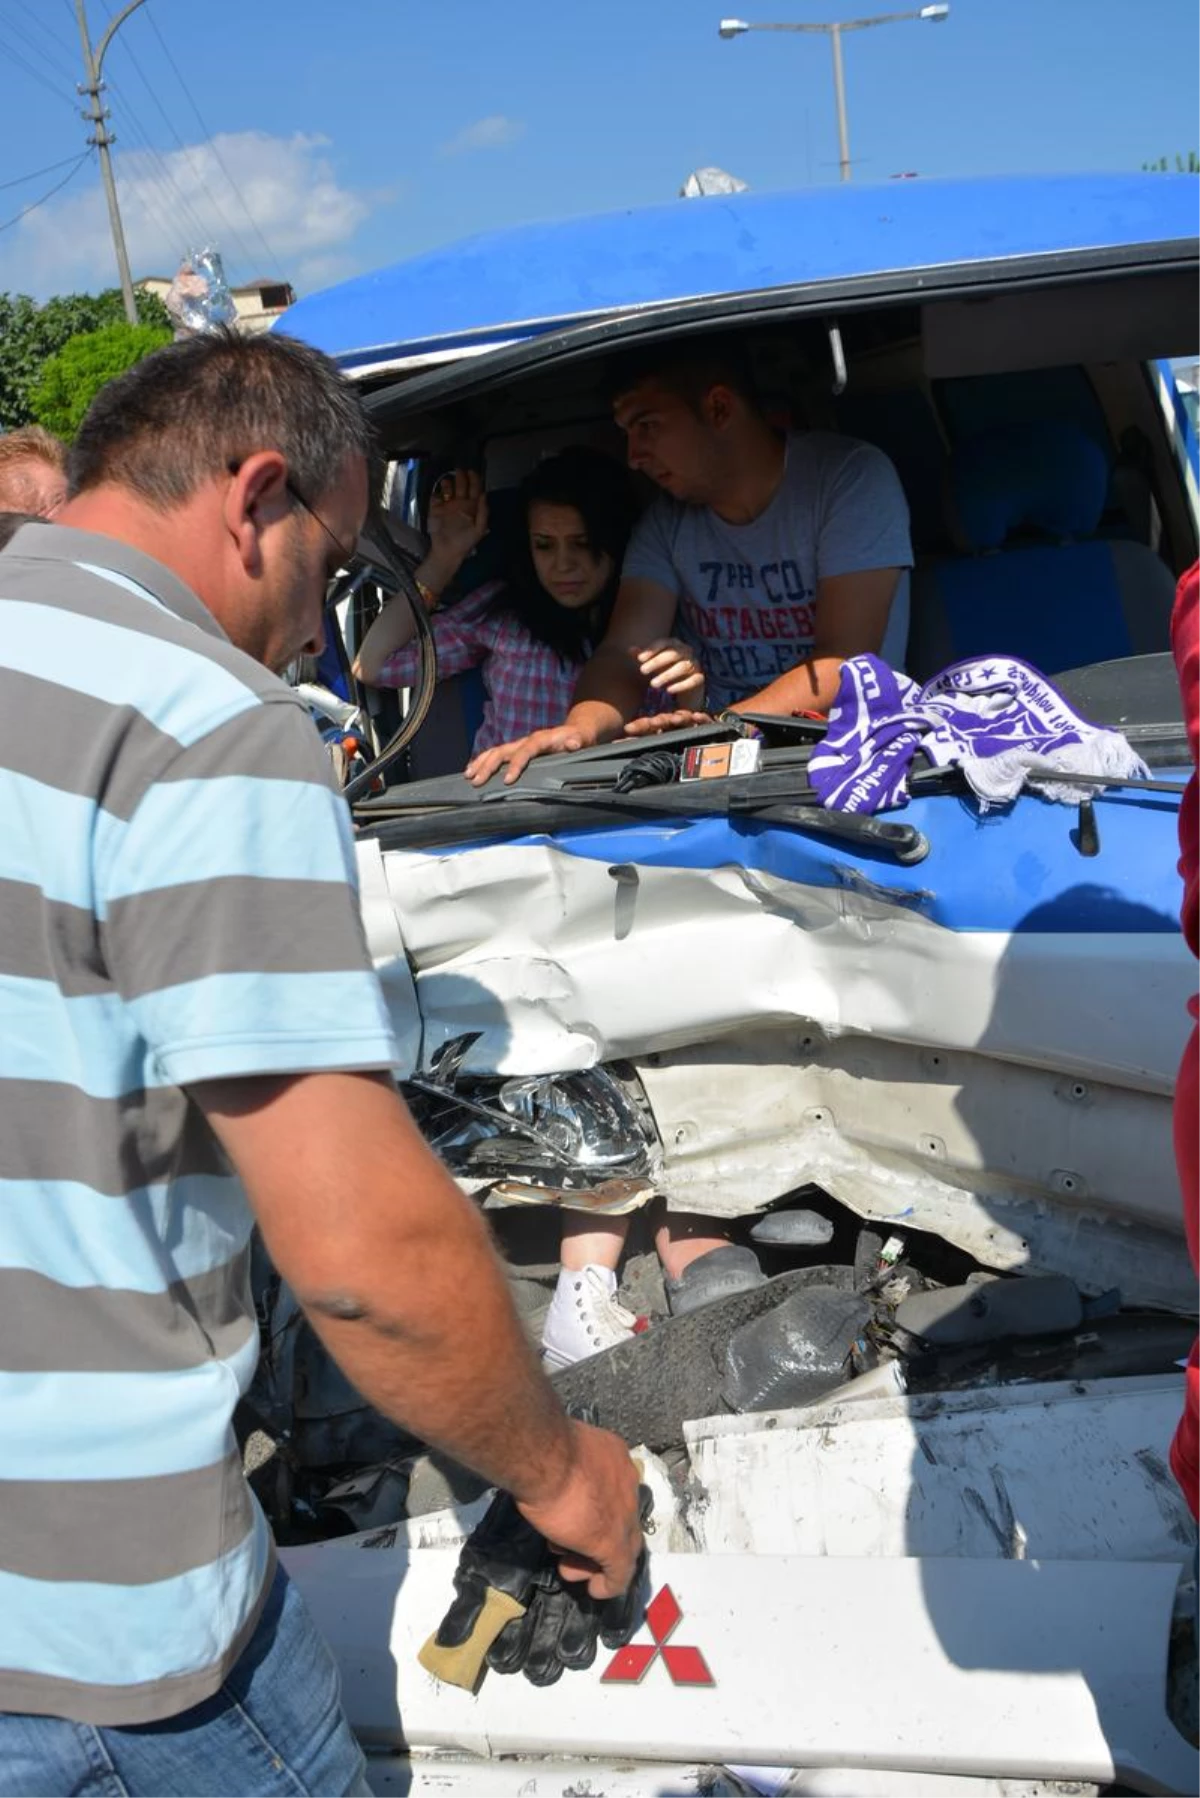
x=514 y=1612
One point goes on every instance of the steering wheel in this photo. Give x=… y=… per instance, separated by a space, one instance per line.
x=389 y=553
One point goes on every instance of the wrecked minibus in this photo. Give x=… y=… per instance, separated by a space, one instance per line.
x=926 y=1068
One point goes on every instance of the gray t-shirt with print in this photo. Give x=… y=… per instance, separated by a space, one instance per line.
x=747 y=592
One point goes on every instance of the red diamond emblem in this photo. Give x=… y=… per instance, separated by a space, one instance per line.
x=685 y=1665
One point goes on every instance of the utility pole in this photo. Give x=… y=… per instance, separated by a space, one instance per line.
x=93 y=87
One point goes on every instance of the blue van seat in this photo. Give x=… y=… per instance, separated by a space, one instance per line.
x=1026 y=501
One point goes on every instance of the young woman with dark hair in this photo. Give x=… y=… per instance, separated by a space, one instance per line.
x=528 y=635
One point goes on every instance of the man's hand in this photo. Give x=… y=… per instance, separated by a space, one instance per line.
x=658 y=722
x=670 y=667
x=516 y=757
x=592 y=1522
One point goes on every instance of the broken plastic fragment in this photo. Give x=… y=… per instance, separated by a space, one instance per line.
x=1033 y=1305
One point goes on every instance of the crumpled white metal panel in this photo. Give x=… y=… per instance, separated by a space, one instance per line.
x=385 y=939
x=561 y=965
x=1008 y=1669
x=1009 y=1093
x=1023 y=1167
x=1056 y=1471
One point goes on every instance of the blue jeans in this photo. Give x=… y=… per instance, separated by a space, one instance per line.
x=275 y=1727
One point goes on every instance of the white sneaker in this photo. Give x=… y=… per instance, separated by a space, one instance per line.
x=584 y=1316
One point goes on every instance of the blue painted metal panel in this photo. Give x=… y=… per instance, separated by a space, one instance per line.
x=1015 y=869
x=503 y=285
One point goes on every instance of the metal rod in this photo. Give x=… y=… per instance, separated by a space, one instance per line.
x=839 y=88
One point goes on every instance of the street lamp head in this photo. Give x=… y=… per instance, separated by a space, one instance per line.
x=935 y=12
x=732 y=27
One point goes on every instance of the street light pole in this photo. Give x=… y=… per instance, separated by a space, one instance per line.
x=93 y=63
x=934 y=14
x=839 y=88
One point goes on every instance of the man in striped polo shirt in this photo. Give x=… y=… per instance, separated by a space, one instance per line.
x=191 y=1019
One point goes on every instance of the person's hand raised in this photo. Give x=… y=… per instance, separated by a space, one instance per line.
x=458 y=516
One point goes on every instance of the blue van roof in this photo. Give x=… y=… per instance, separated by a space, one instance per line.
x=501 y=286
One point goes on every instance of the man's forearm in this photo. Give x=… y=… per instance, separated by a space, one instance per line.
x=428 y=1334
x=395 y=1269
x=611 y=690
x=809 y=687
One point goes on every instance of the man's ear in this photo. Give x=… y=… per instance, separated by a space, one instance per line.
x=257 y=495
x=720 y=406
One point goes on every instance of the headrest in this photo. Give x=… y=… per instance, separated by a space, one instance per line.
x=1047 y=477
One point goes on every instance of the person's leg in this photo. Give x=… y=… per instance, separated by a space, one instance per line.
x=584 y=1316
x=276 y=1729
x=683 y=1237
x=589 y=1241
x=700 y=1263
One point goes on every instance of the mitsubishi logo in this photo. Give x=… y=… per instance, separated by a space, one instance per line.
x=686 y=1666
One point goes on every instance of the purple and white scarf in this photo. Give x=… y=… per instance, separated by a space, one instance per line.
x=994 y=717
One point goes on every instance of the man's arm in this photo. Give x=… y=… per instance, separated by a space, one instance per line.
x=852 y=617
x=610 y=691
x=396 y=1272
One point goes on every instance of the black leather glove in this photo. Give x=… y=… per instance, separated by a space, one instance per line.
x=559 y=1625
x=563 y=1623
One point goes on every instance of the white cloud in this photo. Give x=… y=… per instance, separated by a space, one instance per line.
x=170 y=199
x=492 y=133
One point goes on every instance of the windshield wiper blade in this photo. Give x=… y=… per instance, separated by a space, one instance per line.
x=526 y=814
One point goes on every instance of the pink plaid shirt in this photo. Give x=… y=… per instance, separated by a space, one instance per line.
x=527 y=685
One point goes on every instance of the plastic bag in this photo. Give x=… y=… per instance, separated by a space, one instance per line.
x=199 y=299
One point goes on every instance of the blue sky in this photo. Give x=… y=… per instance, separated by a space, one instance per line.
x=355 y=132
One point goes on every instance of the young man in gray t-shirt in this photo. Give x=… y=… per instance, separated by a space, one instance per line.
x=776 y=555
x=748 y=592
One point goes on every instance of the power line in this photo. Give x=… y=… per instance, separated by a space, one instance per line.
x=33 y=206
x=36 y=49
x=36 y=73
x=272 y=259
x=167 y=226
x=34 y=173
x=157 y=176
x=66 y=45
x=198 y=227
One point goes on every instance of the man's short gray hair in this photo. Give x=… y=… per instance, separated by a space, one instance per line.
x=192 y=410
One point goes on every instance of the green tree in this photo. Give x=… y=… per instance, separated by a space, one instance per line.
x=70 y=380
x=1189 y=165
x=30 y=334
